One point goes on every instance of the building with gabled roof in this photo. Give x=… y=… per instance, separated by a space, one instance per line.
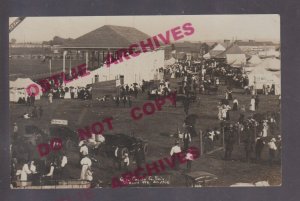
x=253 y=47
x=108 y=40
x=108 y=37
x=187 y=49
x=234 y=56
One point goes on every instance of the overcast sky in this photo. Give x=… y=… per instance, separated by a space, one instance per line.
x=207 y=27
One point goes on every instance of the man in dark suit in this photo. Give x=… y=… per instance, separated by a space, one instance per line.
x=229 y=141
x=186 y=140
x=256 y=102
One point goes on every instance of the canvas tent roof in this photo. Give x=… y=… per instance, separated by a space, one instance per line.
x=233 y=49
x=260 y=76
x=255 y=60
x=218 y=47
x=108 y=36
x=18 y=89
x=22 y=83
x=272 y=64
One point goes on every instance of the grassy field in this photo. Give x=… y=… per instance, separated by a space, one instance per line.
x=157 y=129
x=36 y=69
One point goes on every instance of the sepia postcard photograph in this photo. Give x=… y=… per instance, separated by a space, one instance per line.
x=145 y=101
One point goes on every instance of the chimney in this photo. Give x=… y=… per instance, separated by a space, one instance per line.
x=226 y=42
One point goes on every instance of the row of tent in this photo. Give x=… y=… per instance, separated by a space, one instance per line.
x=264 y=72
x=144 y=67
x=233 y=54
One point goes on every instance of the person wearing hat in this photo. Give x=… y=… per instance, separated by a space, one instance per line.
x=259 y=145
x=278 y=143
x=24 y=174
x=117 y=158
x=186 y=140
x=252 y=104
x=235 y=104
x=86 y=164
x=15 y=132
x=272 y=150
x=189 y=158
x=175 y=150
x=52 y=174
x=126 y=161
x=256 y=102
x=84 y=151
x=229 y=142
x=62 y=167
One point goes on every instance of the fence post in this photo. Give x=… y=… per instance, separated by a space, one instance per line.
x=223 y=137
x=201 y=142
x=254 y=132
x=239 y=134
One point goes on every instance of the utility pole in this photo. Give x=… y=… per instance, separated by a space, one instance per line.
x=50 y=66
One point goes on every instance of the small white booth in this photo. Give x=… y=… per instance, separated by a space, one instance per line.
x=17 y=89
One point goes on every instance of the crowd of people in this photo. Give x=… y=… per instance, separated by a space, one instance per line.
x=254 y=132
x=126 y=94
x=203 y=75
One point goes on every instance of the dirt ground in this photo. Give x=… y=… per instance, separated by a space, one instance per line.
x=158 y=130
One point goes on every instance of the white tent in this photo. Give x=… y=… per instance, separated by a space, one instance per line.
x=260 y=76
x=206 y=56
x=17 y=89
x=234 y=56
x=269 y=53
x=215 y=51
x=136 y=69
x=271 y=64
x=236 y=60
x=219 y=47
x=254 y=60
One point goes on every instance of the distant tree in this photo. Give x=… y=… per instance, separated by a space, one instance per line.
x=173 y=47
x=45 y=42
x=13 y=41
x=57 y=40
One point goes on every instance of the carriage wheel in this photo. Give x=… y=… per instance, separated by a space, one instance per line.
x=146 y=148
x=123 y=151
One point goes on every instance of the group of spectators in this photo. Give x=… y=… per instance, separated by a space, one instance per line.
x=255 y=132
x=83 y=93
x=38 y=171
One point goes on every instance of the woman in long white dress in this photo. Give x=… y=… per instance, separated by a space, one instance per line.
x=50 y=97
x=224 y=112
x=265 y=128
x=252 y=104
x=220 y=111
x=24 y=172
x=86 y=164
